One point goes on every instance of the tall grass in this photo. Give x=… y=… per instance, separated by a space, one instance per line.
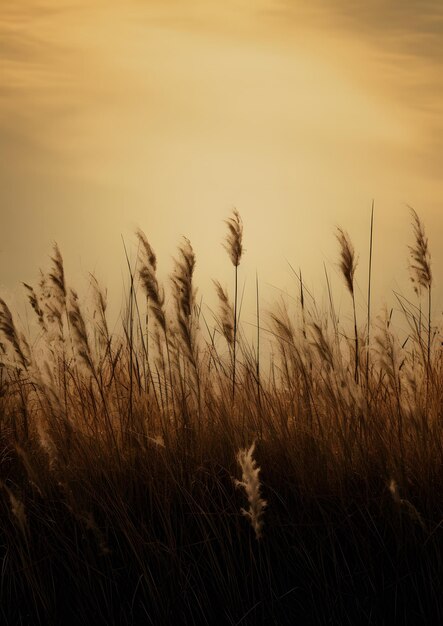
x=234 y=247
x=120 y=455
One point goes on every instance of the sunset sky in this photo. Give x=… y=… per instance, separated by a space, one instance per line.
x=166 y=114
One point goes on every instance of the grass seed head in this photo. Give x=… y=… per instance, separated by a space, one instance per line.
x=234 y=238
x=420 y=264
x=348 y=260
x=251 y=484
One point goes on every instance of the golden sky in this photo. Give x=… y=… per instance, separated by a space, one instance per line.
x=165 y=114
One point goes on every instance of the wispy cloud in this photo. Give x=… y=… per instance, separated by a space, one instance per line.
x=405 y=40
x=185 y=104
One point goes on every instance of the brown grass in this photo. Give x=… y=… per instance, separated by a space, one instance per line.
x=118 y=451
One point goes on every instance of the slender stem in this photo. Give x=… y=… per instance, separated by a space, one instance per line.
x=131 y=347
x=302 y=303
x=429 y=331
x=168 y=355
x=129 y=335
x=333 y=314
x=356 y=340
x=258 y=342
x=369 y=296
x=429 y=325
x=147 y=342
x=235 y=331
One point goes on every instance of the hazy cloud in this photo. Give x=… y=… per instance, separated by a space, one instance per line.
x=121 y=105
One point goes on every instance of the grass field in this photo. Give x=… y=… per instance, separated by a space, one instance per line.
x=177 y=472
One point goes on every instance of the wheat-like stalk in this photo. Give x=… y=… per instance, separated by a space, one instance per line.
x=57 y=277
x=7 y=327
x=348 y=265
x=182 y=279
x=226 y=313
x=184 y=295
x=348 y=260
x=80 y=334
x=148 y=277
x=321 y=343
x=34 y=301
x=234 y=247
x=421 y=274
x=234 y=238
x=100 y=301
x=420 y=265
x=149 y=254
x=251 y=484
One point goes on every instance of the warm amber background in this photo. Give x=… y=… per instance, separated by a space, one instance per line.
x=165 y=114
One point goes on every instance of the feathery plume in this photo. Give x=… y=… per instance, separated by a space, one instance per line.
x=420 y=267
x=234 y=247
x=251 y=484
x=184 y=295
x=79 y=329
x=147 y=249
x=421 y=275
x=348 y=265
x=348 y=261
x=234 y=238
x=226 y=313
x=57 y=276
x=322 y=344
x=182 y=278
x=100 y=298
x=35 y=304
x=7 y=327
x=147 y=273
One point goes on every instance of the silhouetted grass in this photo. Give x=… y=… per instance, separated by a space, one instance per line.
x=120 y=455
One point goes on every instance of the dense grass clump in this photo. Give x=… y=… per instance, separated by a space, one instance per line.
x=158 y=475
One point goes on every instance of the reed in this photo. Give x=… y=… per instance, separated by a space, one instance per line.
x=348 y=265
x=234 y=247
x=250 y=482
x=420 y=272
x=132 y=517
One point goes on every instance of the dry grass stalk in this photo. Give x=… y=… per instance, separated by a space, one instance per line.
x=7 y=327
x=420 y=271
x=149 y=254
x=420 y=267
x=234 y=239
x=148 y=277
x=234 y=247
x=251 y=484
x=57 y=276
x=322 y=344
x=184 y=296
x=348 y=261
x=34 y=301
x=226 y=313
x=387 y=350
x=53 y=307
x=182 y=279
x=348 y=265
x=100 y=301
x=78 y=326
